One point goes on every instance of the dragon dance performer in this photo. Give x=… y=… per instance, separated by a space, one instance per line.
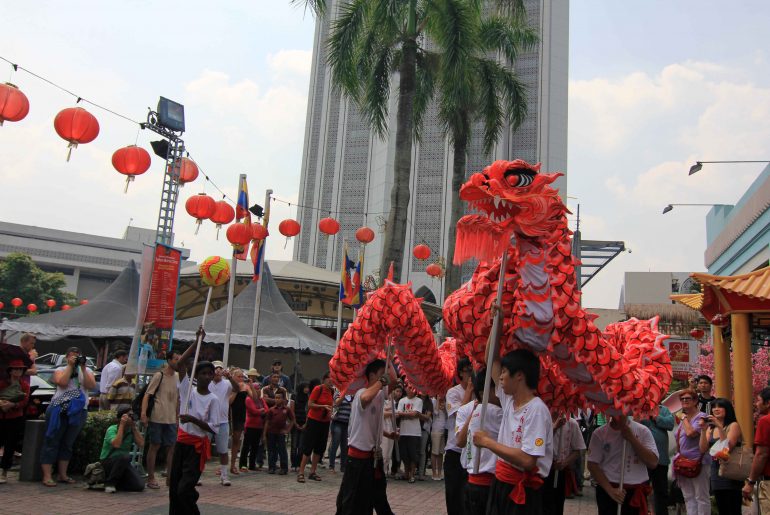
x=455 y=475
x=604 y=462
x=524 y=445
x=363 y=486
x=468 y=422
x=193 y=447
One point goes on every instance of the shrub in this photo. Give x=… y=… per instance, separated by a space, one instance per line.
x=88 y=445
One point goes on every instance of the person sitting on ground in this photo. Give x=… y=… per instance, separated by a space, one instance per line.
x=278 y=423
x=116 y=454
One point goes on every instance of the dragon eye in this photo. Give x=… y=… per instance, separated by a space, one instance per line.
x=518 y=180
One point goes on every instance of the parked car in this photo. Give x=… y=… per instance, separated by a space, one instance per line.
x=41 y=393
x=54 y=360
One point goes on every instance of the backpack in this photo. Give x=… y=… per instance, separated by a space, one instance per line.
x=136 y=404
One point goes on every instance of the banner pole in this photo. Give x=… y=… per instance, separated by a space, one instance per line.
x=257 y=301
x=492 y=350
x=339 y=297
x=198 y=341
x=229 y=316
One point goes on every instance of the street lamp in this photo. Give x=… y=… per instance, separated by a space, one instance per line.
x=699 y=164
x=669 y=207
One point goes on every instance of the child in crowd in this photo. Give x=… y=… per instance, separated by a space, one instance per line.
x=278 y=423
x=408 y=412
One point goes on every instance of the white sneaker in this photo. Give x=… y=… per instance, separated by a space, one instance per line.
x=109 y=490
x=225 y=481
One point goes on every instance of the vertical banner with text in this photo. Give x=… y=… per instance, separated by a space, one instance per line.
x=157 y=329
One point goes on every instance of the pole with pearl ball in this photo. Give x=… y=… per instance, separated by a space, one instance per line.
x=214 y=271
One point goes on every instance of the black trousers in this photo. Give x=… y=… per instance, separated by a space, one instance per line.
x=659 y=483
x=296 y=447
x=553 y=496
x=11 y=430
x=476 y=498
x=455 y=477
x=252 y=451
x=501 y=504
x=607 y=506
x=728 y=501
x=363 y=489
x=119 y=473
x=185 y=473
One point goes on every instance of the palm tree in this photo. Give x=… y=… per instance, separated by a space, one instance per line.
x=482 y=90
x=374 y=41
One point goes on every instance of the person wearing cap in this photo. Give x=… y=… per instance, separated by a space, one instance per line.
x=14 y=396
x=284 y=381
x=225 y=393
x=111 y=372
x=66 y=415
x=198 y=419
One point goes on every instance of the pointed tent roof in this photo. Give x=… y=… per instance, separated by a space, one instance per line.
x=279 y=326
x=112 y=313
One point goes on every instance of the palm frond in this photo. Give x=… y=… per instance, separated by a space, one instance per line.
x=507 y=36
x=374 y=103
x=425 y=87
x=489 y=109
x=514 y=93
x=346 y=31
x=317 y=6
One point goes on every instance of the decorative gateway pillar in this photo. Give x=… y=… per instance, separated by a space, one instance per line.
x=743 y=376
x=722 y=376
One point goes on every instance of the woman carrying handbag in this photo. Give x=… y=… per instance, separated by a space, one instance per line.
x=722 y=435
x=691 y=474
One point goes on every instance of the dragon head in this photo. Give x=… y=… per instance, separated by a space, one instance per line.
x=517 y=197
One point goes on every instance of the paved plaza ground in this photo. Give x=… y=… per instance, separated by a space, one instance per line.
x=253 y=493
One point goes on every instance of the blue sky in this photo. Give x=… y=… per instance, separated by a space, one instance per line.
x=654 y=85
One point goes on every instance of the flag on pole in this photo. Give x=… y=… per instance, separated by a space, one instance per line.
x=257 y=249
x=351 y=288
x=242 y=214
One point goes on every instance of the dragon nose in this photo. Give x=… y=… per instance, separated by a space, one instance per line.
x=478 y=179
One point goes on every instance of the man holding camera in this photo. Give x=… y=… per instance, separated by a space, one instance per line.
x=116 y=457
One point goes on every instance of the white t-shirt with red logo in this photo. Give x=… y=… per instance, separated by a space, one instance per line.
x=528 y=428
x=492 y=420
x=410 y=426
x=606 y=450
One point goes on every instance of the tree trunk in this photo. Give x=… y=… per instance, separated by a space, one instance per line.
x=395 y=234
x=457 y=210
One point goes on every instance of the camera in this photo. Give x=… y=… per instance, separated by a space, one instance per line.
x=80 y=360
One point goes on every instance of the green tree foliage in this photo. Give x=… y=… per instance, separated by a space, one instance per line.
x=21 y=277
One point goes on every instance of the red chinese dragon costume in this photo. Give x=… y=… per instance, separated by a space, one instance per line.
x=623 y=369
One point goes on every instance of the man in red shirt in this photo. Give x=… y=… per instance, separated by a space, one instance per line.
x=760 y=466
x=317 y=428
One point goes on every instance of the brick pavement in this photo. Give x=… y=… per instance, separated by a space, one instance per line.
x=253 y=493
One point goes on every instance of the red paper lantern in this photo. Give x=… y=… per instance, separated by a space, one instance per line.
x=329 y=226
x=14 y=105
x=77 y=126
x=697 y=333
x=289 y=228
x=84 y=302
x=720 y=320
x=259 y=232
x=50 y=303
x=421 y=252
x=65 y=307
x=2 y=305
x=434 y=270
x=365 y=235
x=131 y=161
x=200 y=207
x=223 y=214
x=239 y=234
x=31 y=308
x=188 y=171
x=16 y=302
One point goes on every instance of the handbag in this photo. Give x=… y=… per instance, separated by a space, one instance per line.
x=687 y=467
x=738 y=465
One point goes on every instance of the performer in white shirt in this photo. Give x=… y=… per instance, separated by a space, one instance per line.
x=469 y=422
x=524 y=446
x=111 y=372
x=455 y=475
x=363 y=483
x=604 y=463
x=567 y=445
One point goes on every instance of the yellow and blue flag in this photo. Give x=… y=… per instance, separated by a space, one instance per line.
x=243 y=215
x=351 y=286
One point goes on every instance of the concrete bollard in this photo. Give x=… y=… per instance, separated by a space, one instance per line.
x=34 y=432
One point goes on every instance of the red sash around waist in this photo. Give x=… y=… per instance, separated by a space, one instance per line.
x=518 y=479
x=483 y=479
x=359 y=454
x=639 y=495
x=201 y=444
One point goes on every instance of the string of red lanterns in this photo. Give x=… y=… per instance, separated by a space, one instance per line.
x=421 y=252
x=14 y=105
x=329 y=226
x=76 y=126
x=131 y=161
x=365 y=235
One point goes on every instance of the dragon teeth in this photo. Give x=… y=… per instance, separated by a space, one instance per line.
x=497 y=201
